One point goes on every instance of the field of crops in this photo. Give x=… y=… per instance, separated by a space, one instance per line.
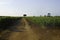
x=6 y=22
x=10 y=28
x=46 y=21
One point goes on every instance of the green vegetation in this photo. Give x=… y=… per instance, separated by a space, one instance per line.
x=46 y=21
x=7 y=22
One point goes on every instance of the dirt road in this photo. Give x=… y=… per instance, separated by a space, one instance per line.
x=25 y=32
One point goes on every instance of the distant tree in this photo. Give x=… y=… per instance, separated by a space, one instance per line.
x=24 y=15
x=40 y=15
x=33 y=16
x=44 y=15
x=49 y=14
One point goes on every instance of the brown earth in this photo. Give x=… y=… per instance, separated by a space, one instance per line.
x=24 y=31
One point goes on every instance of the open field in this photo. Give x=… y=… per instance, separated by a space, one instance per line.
x=30 y=28
x=45 y=21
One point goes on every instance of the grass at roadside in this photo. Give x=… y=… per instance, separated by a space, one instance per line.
x=7 y=22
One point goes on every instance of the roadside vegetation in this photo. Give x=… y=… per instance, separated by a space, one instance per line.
x=50 y=22
x=7 y=22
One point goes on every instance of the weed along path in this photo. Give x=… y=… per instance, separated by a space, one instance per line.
x=24 y=32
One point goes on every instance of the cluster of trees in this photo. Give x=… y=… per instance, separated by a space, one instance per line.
x=49 y=14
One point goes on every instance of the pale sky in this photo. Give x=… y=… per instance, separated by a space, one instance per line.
x=29 y=7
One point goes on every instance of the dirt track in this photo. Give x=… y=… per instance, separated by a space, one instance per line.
x=26 y=34
x=25 y=31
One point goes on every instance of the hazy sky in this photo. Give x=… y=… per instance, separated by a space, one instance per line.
x=29 y=7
